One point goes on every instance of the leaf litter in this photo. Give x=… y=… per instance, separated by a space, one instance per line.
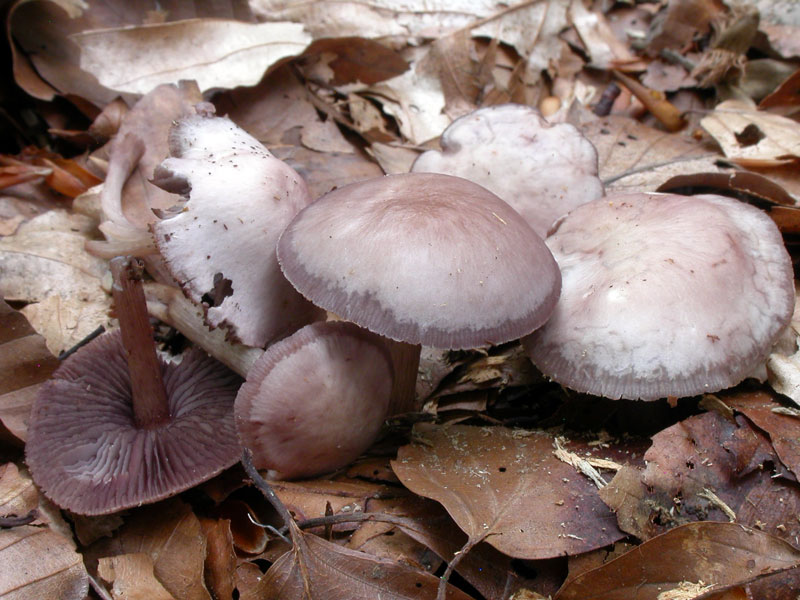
x=503 y=484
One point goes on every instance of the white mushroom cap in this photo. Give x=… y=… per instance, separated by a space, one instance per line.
x=422 y=258
x=313 y=402
x=542 y=170
x=221 y=246
x=663 y=295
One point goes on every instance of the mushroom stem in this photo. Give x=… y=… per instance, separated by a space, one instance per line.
x=405 y=360
x=169 y=305
x=150 y=403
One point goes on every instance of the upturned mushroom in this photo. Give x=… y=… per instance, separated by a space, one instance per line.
x=117 y=426
x=663 y=295
x=543 y=170
x=313 y=402
x=421 y=258
x=220 y=244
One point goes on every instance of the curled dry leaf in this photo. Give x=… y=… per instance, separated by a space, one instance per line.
x=44 y=263
x=316 y=568
x=506 y=487
x=52 y=568
x=707 y=555
x=25 y=363
x=137 y=59
x=751 y=137
x=220 y=565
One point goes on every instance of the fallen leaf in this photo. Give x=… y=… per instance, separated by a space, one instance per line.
x=635 y=157
x=38 y=563
x=783 y=430
x=137 y=59
x=703 y=555
x=706 y=468
x=316 y=568
x=132 y=577
x=506 y=487
x=44 y=263
x=605 y=50
x=752 y=137
x=18 y=495
x=170 y=535
x=25 y=363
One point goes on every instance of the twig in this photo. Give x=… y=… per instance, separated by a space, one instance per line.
x=65 y=353
x=8 y=522
x=266 y=489
x=459 y=556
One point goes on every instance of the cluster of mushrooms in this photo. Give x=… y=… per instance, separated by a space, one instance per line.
x=634 y=295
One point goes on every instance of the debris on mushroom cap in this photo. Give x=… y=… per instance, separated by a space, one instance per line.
x=86 y=453
x=422 y=258
x=542 y=170
x=663 y=295
x=221 y=246
x=315 y=400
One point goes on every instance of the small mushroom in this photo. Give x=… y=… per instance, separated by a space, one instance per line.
x=117 y=426
x=422 y=258
x=220 y=244
x=663 y=295
x=542 y=170
x=314 y=401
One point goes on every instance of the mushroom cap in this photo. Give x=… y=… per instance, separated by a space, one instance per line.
x=422 y=258
x=88 y=456
x=663 y=295
x=542 y=170
x=220 y=246
x=313 y=402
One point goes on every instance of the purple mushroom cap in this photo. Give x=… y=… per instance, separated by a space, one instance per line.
x=88 y=456
x=422 y=258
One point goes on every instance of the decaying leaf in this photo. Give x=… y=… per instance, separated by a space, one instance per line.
x=751 y=137
x=506 y=487
x=44 y=263
x=316 y=568
x=699 y=556
x=706 y=468
x=39 y=563
x=137 y=59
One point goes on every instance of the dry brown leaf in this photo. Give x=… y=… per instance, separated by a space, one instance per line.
x=506 y=487
x=25 y=363
x=751 y=137
x=783 y=430
x=705 y=555
x=38 y=563
x=635 y=157
x=137 y=59
x=706 y=468
x=132 y=578
x=170 y=534
x=352 y=60
x=316 y=568
x=45 y=263
x=18 y=495
x=603 y=47
x=220 y=566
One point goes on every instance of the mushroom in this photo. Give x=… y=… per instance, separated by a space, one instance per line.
x=117 y=426
x=663 y=295
x=220 y=245
x=421 y=258
x=314 y=401
x=542 y=170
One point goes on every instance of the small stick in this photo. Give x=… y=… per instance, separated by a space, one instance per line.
x=65 y=353
x=266 y=489
x=150 y=403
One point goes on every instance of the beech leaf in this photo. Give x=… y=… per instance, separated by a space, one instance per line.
x=707 y=555
x=508 y=488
